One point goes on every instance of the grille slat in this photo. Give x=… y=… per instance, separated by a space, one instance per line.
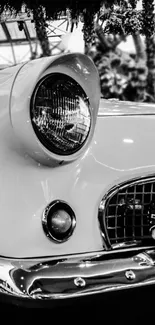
x=127 y=215
x=133 y=219
x=142 y=210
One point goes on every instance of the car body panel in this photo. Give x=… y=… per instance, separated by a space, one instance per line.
x=7 y=77
x=114 y=107
x=116 y=153
x=119 y=148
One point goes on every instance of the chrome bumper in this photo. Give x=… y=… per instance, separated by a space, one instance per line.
x=63 y=277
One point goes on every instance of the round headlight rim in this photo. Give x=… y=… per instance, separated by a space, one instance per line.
x=51 y=154
x=45 y=223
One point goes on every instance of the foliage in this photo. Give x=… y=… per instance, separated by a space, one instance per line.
x=78 y=8
x=124 y=20
x=148 y=17
x=149 y=26
x=121 y=75
x=54 y=8
x=124 y=76
x=40 y=25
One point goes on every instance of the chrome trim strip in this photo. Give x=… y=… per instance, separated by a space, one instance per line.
x=115 y=107
x=102 y=207
x=112 y=114
x=64 y=277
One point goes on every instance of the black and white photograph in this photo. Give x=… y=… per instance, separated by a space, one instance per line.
x=77 y=159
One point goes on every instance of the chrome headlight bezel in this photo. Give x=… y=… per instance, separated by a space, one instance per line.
x=75 y=65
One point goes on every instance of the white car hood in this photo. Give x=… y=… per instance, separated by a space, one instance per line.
x=114 y=107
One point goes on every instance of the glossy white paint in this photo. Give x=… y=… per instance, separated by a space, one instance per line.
x=114 y=107
x=122 y=148
x=7 y=77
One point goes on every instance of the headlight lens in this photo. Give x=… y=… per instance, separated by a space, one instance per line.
x=60 y=221
x=60 y=114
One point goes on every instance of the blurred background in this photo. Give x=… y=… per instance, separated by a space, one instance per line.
x=118 y=35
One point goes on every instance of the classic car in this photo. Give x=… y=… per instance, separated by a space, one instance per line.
x=77 y=185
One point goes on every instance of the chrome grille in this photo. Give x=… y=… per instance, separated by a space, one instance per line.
x=127 y=214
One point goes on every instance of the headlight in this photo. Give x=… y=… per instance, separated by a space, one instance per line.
x=58 y=221
x=60 y=114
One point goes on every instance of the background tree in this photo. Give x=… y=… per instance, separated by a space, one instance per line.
x=44 y=10
x=122 y=75
x=39 y=18
x=131 y=78
x=149 y=31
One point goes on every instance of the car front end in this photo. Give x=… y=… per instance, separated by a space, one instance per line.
x=77 y=185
